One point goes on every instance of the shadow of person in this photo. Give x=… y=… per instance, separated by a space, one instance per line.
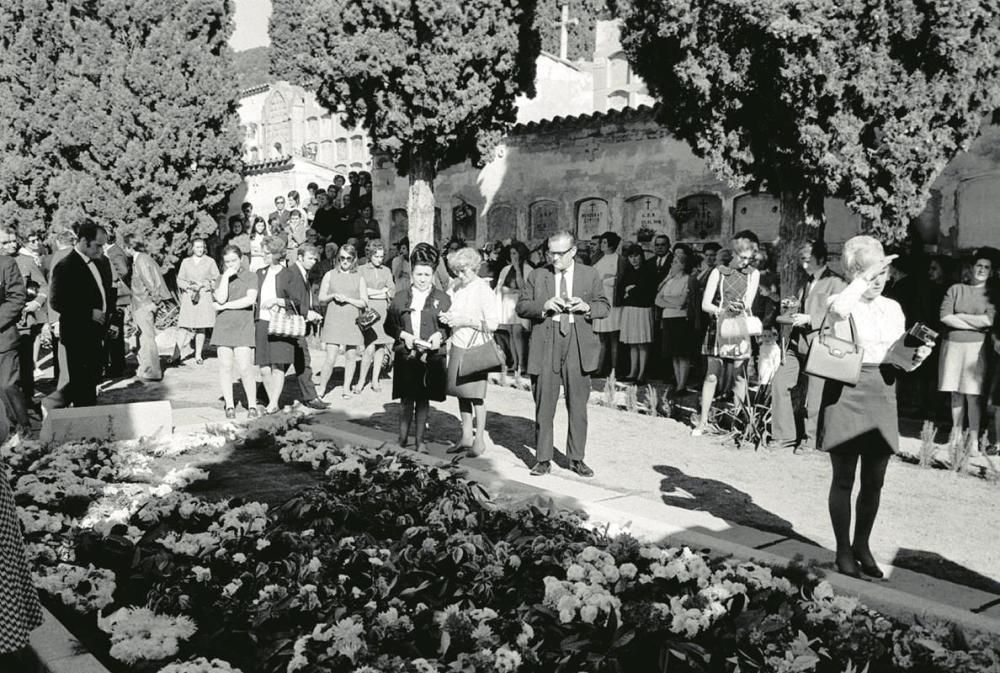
x=933 y=564
x=721 y=500
x=517 y=435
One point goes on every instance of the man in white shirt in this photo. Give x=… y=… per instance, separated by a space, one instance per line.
x=562 y=300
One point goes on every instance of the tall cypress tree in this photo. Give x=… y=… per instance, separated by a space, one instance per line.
x=121 y=110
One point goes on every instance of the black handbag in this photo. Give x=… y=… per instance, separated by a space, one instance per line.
x=833 y=358
x=484 y=358
x=368 y=317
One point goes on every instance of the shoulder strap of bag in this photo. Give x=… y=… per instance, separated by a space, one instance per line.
x=825 y=327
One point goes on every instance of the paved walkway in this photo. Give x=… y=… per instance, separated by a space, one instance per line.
x=651 y=473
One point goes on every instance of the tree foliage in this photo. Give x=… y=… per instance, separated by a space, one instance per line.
x=861 y=99
x=120 y=110
x=583 y=15
x=432 y=81
x=253 y=67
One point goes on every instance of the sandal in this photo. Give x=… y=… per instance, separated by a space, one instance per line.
x=230 y=412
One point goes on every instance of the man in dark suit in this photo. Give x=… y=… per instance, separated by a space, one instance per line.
x=13 y=297
x=292 y=286
x=660 y=261
x=799 y=327
x=82 y=294
x=562 y=300
x=65 y=240
x=33 y=316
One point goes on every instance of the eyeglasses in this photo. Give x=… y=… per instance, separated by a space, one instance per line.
x=558 y=253
x=345 y=259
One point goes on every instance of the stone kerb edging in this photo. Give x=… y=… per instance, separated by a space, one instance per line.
x=600 y=504
x=56 y=650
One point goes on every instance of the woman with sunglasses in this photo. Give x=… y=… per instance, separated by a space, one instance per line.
x=345 y=290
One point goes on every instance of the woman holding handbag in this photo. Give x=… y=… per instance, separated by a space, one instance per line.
x=381 y=288
x=345 y=290
x=729 y=294
x=473 y=317
x=413 y=319
x=859 y=423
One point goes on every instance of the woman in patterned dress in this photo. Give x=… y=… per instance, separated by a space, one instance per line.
x=20 y=611
x=381 y=289
x=259 y=256
x=196 y=281
x=734 y=286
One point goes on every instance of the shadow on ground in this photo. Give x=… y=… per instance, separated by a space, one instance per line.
x=935 y=565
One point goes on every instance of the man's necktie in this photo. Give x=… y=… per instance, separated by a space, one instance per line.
x=564 y=293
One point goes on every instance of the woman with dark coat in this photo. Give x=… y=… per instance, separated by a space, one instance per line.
x=420 y=365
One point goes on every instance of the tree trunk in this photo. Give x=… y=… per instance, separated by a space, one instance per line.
x=420 y=205
x=803 y=219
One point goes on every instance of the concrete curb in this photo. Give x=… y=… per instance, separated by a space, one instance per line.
x=56 y=650
x=697 y=530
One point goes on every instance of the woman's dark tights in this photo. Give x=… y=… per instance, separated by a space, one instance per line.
x=869 y=494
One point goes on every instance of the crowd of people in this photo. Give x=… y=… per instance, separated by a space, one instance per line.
x=559 y=312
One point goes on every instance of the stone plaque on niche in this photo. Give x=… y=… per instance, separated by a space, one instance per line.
x=592 y=218
x=501 y=223
x=543 y=219
x=644 y=218
x=463 y=222
x=698 y=217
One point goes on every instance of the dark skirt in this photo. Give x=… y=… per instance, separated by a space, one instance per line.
x=678 y=338
x=466 y=387
x=270 y=351
x=860 y=419
x=418 y=379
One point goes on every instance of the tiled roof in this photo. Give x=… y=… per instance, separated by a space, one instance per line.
x=579 y=120
x=268 y=165
x=260 y=88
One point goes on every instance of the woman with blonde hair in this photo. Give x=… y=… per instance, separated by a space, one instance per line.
x=381 y=289
x=345 y=292
x=729 y=294
x=272 y=353
x=196 y=280
x=859 y=423
x=473 y=317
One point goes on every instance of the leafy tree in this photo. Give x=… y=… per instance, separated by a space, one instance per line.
x=583 y=15
x=861 y=99
x=432 y=81
x=120 y=110
x=253 y=67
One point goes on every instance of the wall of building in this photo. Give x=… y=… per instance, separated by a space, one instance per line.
x=565 y=90
x=620 y=172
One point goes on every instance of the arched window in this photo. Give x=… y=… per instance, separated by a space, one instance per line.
x=619 y=73
x=341 y=144
x=277 y=150
x=357 y=166
x=312 y=128
x=357 y=148
x=326 y=152
x=254 y=154
x=618 y=100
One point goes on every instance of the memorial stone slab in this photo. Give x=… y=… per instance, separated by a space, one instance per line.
x=592 y=218
x=109 y=421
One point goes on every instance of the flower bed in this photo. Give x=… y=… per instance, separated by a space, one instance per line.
x=393 y=566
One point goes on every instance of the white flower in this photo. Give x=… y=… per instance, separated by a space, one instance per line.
x=239 y=558
x=263 y=543
x=588 y=613
x=628 y=570
x=314 y=565
x=200 y=665
x=230 y=589
x=348 y=637
x=139 y=634
x=506 y=660
x=575 y=573
x=201 y=574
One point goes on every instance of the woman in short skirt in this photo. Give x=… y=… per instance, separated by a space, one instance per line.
x=196 y=280
x=636 y=288
x=859 y=424
x=967 y=315
x=381 y=288
x=729 y=293
x=273 y=354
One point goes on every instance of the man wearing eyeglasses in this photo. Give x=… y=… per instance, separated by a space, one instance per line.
x=562 y=299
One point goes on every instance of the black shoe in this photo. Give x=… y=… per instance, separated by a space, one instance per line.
x=541 y=467
x=457 y=448
x=869 y=568
x=847 y=565
x=230 y=412
x=581 y=468
x=316 y=403
x=253 y=413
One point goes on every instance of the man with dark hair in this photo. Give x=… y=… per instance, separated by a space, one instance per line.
x=562 y=300
x=278 y=218
x=292 y=284
x=801 y=319
x=247 y=211
x=82 y=296
x=748 y=235
x=659 y=263
x=13 y=298
x=32 y=317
